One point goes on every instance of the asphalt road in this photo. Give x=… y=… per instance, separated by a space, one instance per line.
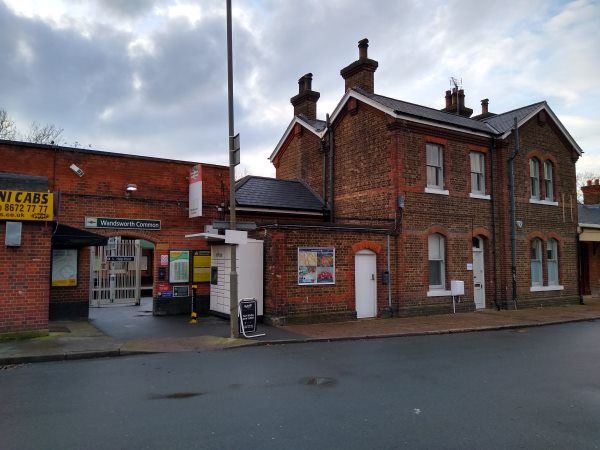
x=533 y=388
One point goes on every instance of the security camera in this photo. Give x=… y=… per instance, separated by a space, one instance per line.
x=77 y=170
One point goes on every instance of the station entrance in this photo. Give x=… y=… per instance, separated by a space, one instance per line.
x=121 y=272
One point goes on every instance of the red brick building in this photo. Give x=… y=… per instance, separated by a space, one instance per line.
x=589 y=239
x=27 y=298
x=425 y=193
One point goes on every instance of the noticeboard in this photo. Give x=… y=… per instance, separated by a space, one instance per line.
x=179 y=266
x=201 y=266
x=316 y=265
x=64 y=267
x=24 y=205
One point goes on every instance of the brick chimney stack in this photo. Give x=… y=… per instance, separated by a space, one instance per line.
x=591 y=192
x=361 y=73
x=484 y=106
x=305 y=102
x=457 y=95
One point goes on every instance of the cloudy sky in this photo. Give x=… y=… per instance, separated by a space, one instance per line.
x=149 y=76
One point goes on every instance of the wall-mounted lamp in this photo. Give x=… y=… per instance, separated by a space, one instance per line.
x=131 y=187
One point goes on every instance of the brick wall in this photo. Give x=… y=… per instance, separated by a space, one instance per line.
x=301 y=159
x=540 y=139
x=24 y=280
x=286 y=301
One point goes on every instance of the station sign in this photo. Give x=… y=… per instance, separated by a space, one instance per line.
x=120 y=258
x=195 y=191
x=122 y=223
x=25 y=205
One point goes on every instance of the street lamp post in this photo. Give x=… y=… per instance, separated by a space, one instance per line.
x=233 y=276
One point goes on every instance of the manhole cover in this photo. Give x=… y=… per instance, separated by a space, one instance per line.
x=318 y=381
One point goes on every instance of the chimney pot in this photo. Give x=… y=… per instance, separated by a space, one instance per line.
x=305 y=83
x=363 y=45
x=484 y=105
x=589 y=182
x=448 y=99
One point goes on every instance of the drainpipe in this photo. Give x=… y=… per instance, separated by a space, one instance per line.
x=579 y=269
x=493 y=205
x=331 y=147
x=513 y=230
x=389 y=271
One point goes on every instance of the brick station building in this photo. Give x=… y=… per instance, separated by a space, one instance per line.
x=27 y=298
x=425 y=194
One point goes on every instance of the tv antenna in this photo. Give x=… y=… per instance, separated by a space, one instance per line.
x=457 y=83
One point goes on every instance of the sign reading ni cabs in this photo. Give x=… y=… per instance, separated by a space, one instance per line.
x=24 y=205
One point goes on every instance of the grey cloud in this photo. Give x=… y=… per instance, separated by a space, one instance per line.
x=127 y=8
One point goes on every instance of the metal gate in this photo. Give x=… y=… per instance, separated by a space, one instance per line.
x=115 y=273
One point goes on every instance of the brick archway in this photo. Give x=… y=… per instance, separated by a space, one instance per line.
x=366 y=245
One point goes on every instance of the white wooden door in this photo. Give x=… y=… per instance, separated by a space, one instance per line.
x=478 y=273
x=365 y=283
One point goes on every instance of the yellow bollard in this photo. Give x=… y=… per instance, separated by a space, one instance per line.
x=193 y=318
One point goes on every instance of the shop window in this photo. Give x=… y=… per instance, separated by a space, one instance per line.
x=552 y=261
x=534 y=176
x=436 y=246
x=435 y=169
x=536 y=262
x=548 y=180
x=477 y=173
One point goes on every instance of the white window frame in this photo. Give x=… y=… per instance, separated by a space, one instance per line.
x=549 y=180
x=477 y=160
x=536 y=263
x=534 y=177
x=439 y=255
x=552 y=261
x=438 y=169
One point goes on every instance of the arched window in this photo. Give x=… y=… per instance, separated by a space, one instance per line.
x=549 y=180
x=552 y=257
x=536 y=262
x=534 y=175
x=437 y=278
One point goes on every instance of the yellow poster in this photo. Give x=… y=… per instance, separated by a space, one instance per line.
x=201 y=268
x=23 y=205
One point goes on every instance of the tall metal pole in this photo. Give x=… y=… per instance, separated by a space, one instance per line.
x=233 y=276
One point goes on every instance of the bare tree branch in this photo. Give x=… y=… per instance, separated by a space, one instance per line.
x=46 y=134
x=8 y=130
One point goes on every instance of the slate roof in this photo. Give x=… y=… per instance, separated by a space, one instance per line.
x=263 y=192
x=318 y=125
x=412 y=109
x=589 y=214
x=505 y=121
x=20 y=182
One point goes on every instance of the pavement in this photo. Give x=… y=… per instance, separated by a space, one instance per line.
x=118 y=331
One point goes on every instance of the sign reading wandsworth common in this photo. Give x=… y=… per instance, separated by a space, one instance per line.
x=123 y=224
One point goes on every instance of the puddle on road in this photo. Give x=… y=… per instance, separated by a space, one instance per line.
x=318 y=381
x=174 y=396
